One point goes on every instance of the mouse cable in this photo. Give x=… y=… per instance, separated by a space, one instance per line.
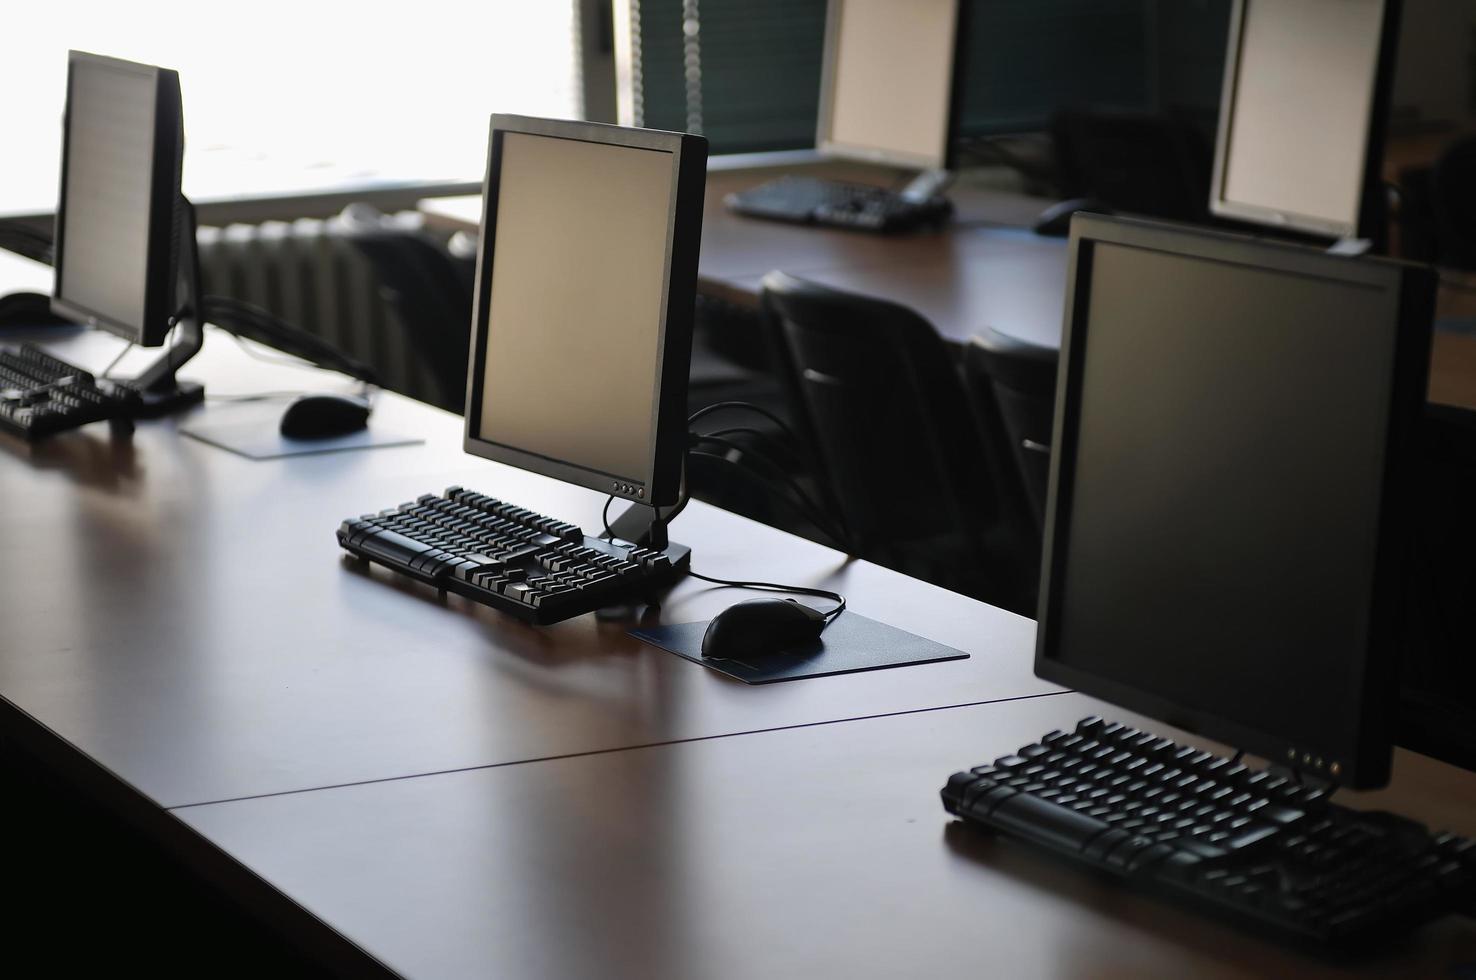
x=830 y=617
x=836 y=597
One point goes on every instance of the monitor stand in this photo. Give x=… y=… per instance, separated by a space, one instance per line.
x=162 y=392
x=926 y=186
x=646 y=526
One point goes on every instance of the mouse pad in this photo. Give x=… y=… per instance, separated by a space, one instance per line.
x=849 y=644
x=252 y=433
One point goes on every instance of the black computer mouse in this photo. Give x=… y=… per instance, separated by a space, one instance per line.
x=761 y=628
x=324 y=416
x=1056 y=219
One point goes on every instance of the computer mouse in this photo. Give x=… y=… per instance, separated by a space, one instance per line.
x=1056 y=219
x=761 y=628
x=324 y=416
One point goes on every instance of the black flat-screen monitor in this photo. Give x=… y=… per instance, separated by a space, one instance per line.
x=1225 y=534
x=1301 y=132
x=586 y=280
x=118 y=219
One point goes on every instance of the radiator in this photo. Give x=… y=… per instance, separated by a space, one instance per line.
x=309 y=273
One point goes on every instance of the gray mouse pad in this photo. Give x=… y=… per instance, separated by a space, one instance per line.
x=252 y=432
x=849 y=644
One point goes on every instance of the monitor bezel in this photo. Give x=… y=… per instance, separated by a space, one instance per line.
x=1368 y=224
x=161 y=265
x=945 y=159
x=1363 y=762
x=684 y=233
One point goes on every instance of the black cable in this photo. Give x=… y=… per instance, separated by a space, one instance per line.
x=794 y=485
x=844 y=538
x=235 y=315
x=830 y=617
x=799 y=445
x=127 y=346
x=750 y=406
x=798 y=506
x=777 y=587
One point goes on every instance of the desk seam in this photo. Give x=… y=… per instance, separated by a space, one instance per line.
x=621 y=748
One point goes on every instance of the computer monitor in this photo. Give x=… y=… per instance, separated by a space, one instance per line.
x=889 y=87
x=586 y=281
x=125 y=251
x=1225 y=534
x=1300 y=141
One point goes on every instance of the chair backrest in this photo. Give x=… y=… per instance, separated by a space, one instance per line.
x=431 y=296
x=1453 y=187
x=874 y=388
x=1013 y=387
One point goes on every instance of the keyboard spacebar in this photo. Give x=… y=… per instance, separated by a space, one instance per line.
x=1043 y=821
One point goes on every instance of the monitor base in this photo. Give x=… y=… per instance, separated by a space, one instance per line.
x=157 y=402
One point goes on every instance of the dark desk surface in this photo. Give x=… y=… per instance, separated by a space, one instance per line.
x=811 y=852
x=189 y=620
x=185 y=627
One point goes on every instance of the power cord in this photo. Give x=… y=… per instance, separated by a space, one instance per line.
x=746 y=406
x=801 y=507
x=808 y=508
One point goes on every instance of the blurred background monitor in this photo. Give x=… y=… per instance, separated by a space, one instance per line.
x=1301 y=125
x=118 y=218
x=887 y=88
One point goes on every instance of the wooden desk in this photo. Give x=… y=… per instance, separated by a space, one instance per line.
x=190 y=622
x=812 y=852
x=392 y=777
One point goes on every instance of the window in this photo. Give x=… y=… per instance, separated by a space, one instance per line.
x=746 y=73
x=279 y=94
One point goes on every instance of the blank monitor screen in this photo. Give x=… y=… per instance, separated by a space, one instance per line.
x=889 y=81
x=1217 y=512
x=1297 y=113
x=585 y=245
x=108 y=191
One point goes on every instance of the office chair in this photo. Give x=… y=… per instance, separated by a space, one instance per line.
x=878 y=397
x=1012 y=384
x=1139 y=163
x=430 y=294
x=1453 y=188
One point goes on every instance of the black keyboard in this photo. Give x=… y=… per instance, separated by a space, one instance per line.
x=1250 y=843
x=41 y=395
x=537 y=568
x=809 y=200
